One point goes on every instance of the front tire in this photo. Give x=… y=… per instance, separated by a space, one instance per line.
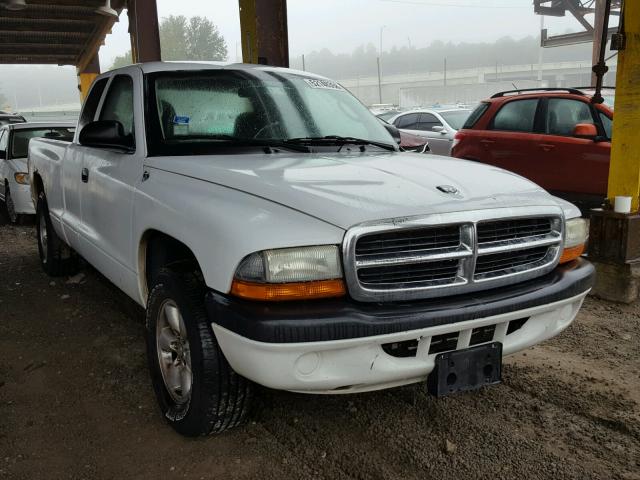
x=56 y=258
x=10 y=206
x=198 y=391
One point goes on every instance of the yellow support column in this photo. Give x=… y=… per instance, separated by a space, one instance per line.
x=263 y=24
x=87 y=76
x=624 y=170
x=249 y=31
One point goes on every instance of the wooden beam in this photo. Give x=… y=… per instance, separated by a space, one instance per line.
x=144 y=30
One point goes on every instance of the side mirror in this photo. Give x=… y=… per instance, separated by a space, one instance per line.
x=393 y=130
x=106 y=134
x=585 y=130
x=438 y=128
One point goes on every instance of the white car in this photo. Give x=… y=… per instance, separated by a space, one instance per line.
x=15 y=192
x=275 y=235
x=438 y=126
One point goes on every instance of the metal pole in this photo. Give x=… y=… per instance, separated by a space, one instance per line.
x=379 y=82
x=304 y=67
x=380 y=65
x=598 y=28
x=540 y=51
x=445 y=71
x=601 y=68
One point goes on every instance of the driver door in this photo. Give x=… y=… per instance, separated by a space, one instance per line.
x=109 y=178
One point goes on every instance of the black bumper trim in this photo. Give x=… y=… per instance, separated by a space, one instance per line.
x=339 y=319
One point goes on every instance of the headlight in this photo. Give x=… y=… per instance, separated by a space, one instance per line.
x=290 y=274
x=22 y=178
x=575 y=237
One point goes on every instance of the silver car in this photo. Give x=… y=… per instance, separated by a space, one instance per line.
x=439 y=126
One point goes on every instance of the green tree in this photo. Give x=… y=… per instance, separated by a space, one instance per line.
x=122 y=60
x=196 y=38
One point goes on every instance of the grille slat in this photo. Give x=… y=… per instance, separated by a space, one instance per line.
x=432 y=271
x=512 y=229
x=503 y=261
x=409 y=241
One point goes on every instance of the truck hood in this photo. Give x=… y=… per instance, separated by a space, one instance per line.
x=345 y=189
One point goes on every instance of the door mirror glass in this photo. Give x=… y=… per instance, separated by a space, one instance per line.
x=438 y=128
x=393 y=130
x=585 y=130
x=106 y=134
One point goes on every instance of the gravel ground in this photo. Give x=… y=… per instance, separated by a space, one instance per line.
x=76 y=402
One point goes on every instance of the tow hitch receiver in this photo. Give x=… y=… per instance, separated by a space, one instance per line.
x=464 y=370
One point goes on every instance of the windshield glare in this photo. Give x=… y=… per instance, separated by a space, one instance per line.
x=224 y=106
x=456 y=118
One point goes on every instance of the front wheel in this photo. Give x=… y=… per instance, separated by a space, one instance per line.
x=198 y=391
x=56 y=258
x=10 y=206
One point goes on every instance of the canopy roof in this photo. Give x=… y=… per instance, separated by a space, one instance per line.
x=62 y=32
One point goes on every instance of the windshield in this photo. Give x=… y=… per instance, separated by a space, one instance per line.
x=20 y=141
x=212 y=109
x=456 y=118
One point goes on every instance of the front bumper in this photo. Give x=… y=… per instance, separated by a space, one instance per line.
x=21 y=196
x=343 y=346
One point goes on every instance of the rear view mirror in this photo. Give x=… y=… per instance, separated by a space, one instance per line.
x=438 y=128
x=585 y=130
x=106 y=134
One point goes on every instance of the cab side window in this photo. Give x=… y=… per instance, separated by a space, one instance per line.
x=564 y=114
x=427 y=122
x=118 y=104
x=516 y=116
x=92 y=101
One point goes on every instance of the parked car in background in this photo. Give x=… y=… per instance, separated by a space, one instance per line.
x=407 y=141
x=7 y=118
x=557 y=138
x=15 y=192
x=274 y=234
x=437 y=126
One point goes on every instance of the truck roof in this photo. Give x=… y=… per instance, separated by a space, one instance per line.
x=152 y=67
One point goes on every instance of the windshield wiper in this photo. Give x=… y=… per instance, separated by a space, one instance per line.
x=253 y=142
x=338 y=140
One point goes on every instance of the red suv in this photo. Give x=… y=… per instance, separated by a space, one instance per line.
x=555 y=137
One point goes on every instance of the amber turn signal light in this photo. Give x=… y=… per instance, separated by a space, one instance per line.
x=288 y=291
x=572 y=253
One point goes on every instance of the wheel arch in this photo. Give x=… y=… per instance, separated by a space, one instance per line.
x=157 y=250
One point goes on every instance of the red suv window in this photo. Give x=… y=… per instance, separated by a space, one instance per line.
x=516 y=116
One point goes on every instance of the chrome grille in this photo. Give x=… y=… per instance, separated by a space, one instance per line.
x=461 y=252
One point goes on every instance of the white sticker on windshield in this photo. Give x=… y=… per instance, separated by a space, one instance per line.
x=322 y=83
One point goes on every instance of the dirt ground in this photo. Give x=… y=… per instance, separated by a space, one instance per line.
x=76 y=402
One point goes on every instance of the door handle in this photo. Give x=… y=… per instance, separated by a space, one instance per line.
x=487 y=143
x=85 y=175
x=546 y=147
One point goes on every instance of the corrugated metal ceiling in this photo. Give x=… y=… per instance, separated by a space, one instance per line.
x=64 y=32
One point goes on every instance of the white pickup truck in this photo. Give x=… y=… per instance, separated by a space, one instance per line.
x=275 y=234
